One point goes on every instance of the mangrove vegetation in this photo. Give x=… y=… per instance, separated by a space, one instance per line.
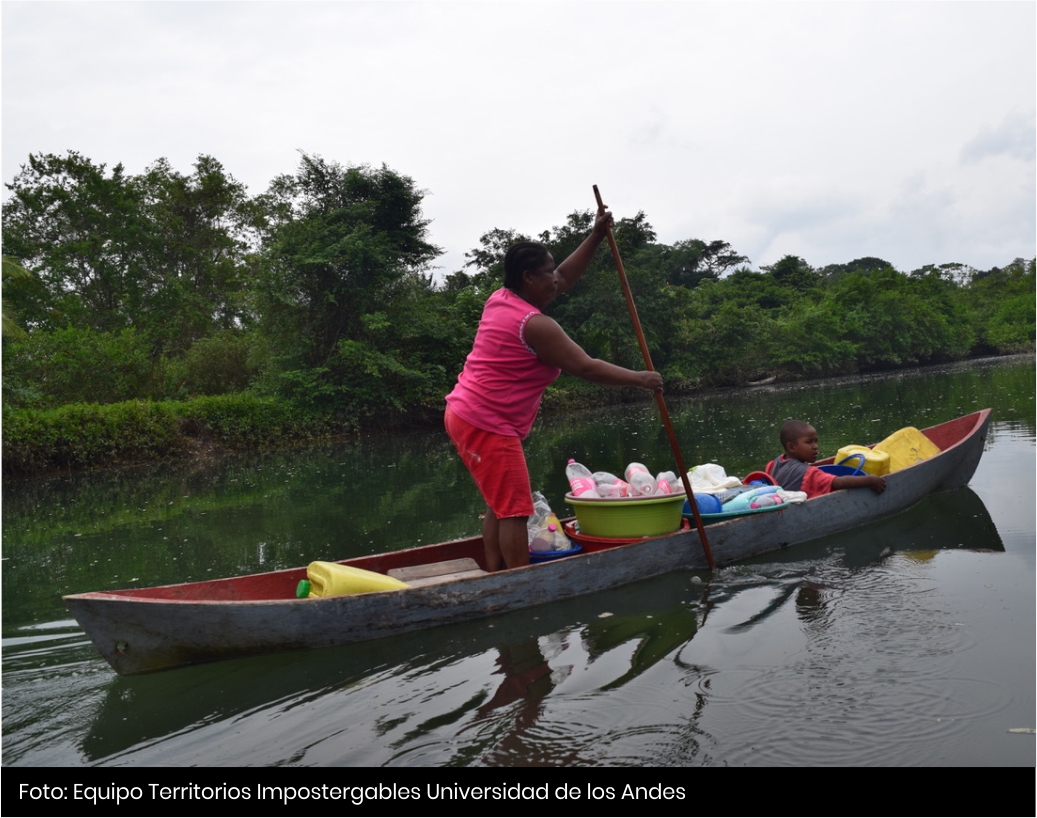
x=151 y=315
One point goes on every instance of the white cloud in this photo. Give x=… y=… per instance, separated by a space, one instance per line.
x=1015 y=137
x=779 y=127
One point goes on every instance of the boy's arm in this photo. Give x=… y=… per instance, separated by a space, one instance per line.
x=871 y=481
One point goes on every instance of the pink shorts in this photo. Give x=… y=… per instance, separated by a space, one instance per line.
x=496 y=463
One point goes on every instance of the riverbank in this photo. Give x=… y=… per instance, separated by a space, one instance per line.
x=79 y=437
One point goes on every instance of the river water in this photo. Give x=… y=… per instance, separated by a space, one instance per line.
x=907 y=642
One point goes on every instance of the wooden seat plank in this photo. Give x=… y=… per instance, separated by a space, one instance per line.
x=435 y=572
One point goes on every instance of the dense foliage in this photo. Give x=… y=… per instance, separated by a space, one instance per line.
x=313 y=305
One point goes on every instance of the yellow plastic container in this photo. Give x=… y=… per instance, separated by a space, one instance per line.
x=332 y=579
x=874 y=462
x=907 y=447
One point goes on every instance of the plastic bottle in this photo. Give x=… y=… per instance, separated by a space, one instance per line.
x=559 y=541
x=666 y=482
x=608 y=485
x=580 y=480
x=640 y=479
x=536 y=525
x=540 y=538
x=551 y=538
x=765 y=500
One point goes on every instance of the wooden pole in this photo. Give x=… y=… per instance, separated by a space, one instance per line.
x=659 y=399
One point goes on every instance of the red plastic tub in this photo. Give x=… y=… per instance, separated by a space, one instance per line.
x=591 y=544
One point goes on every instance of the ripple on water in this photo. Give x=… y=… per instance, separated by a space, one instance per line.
x=871 y=676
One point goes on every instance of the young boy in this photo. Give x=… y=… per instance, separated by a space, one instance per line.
x=793 y=472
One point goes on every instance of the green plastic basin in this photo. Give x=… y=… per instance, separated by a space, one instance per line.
x=629 y=516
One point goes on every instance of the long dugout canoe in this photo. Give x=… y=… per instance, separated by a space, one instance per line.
x=148 y=629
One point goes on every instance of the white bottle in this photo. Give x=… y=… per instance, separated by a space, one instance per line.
x=560 y=542
x=580 y=480
x=641 y=482
x=608 y=485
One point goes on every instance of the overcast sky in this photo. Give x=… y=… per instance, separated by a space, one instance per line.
x=830 y=131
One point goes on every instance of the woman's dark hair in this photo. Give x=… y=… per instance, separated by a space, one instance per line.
x=526 y=255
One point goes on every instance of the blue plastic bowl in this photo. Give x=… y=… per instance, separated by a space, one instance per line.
x=840 y=470
x=547 y=556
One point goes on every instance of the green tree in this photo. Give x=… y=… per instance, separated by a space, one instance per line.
x=346 y=250
x=79 y=365
x=745 y=288
x=793 y=272
x=1000 y=306
x=833 y=273
x=726 y=344
x=84 y=232
x=595 y=313
x=206 y=233
x=488 y=258
x=894 y=320
x=12 y=271
x=809 y=341
x=690 y=262
x=161 y=252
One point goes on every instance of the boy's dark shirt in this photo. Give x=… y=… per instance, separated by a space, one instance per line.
x=789 y=474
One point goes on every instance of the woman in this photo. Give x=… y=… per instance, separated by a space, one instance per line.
x=517 y=353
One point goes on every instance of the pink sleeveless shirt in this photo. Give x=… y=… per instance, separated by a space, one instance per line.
x=500 y=387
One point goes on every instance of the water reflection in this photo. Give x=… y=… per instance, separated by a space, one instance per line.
x=482 y=693
x=894 y=644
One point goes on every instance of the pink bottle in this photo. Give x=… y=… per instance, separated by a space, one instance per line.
x=580 y=480
x=641 y=482
x=666 y=482
x=609 y=485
